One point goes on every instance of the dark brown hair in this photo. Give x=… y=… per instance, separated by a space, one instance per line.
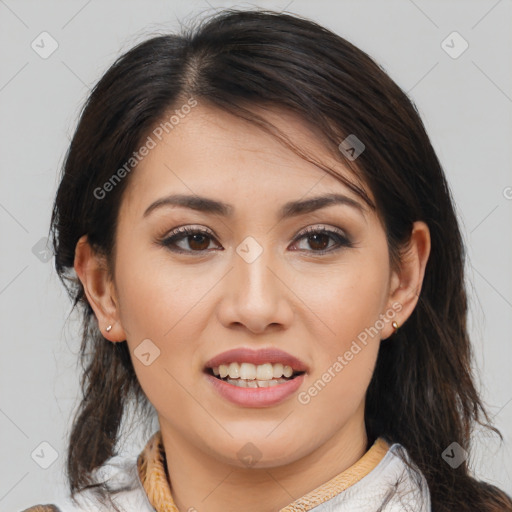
x=422 y=394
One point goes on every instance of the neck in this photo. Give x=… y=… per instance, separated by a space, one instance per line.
x=200 y=481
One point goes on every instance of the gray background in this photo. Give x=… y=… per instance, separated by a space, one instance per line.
x=465 y=102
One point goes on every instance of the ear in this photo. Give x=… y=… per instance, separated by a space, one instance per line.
x=91 y=269
x=406 y=282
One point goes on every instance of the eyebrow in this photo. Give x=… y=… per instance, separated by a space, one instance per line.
x=290 y=209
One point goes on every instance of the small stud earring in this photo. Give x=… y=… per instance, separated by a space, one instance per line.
x=109 y=328
x=395 y=326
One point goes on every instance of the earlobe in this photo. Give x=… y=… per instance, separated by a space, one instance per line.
x=406 y=283
x=91 y=268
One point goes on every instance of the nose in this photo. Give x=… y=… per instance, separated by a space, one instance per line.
x=255 y=295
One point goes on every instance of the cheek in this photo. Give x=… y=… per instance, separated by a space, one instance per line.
x=155 y=298
x=350 y=300
x=165 y=304
x=160 y=305
x=350 y=303
x=344 y=358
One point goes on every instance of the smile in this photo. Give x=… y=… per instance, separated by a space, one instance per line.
x=248 y=375
x=252 y=378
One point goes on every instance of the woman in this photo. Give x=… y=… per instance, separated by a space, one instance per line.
x=266 y=254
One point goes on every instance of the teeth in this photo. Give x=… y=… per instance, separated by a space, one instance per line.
x=255 y=383
x=234 y=371
x=250 y=372
x=278 y=370
x=264 y=372
x=247 y=371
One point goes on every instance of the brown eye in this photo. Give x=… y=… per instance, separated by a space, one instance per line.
x=318 y=240
x=197 y=240
x=193 y=240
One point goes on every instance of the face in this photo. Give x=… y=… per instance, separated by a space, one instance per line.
x=311 y=284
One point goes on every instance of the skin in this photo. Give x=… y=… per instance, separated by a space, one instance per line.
x=193 y=307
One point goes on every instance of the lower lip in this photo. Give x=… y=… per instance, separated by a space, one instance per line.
x=256 y=397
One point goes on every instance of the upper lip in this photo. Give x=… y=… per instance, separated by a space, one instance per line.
x=256 y=357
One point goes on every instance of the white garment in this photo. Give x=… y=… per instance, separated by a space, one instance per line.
x=370 y=494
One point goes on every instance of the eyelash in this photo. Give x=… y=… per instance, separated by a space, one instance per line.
x=185 y=232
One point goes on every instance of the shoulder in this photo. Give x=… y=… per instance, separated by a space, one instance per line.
x=406 y=488
x=392 y=486
x=124 y=492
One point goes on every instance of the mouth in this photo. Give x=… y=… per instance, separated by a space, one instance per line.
x=248 y=375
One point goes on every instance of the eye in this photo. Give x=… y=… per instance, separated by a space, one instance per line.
x=198 y=240
x=318 y=238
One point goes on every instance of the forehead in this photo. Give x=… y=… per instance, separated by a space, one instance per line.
x=211 y=152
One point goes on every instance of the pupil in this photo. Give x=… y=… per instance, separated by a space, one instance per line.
x=316 y=241
x=200 y=246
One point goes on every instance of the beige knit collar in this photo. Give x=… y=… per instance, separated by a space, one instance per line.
x=152 y=472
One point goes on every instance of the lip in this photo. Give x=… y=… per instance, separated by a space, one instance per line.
x=257 y=357
x=255 y=397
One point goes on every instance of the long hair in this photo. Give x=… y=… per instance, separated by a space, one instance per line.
x=422 y=394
